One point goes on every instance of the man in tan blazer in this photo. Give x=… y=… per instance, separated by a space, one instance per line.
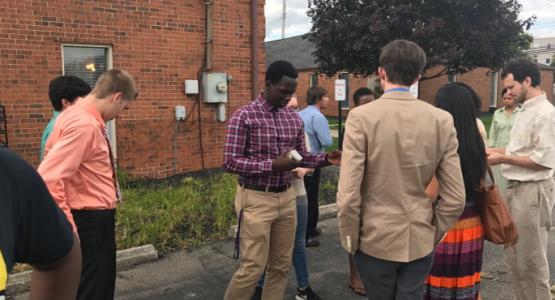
x=393 y=147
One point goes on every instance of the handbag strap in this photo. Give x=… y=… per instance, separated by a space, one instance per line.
x=483 y=181
x=490 y=172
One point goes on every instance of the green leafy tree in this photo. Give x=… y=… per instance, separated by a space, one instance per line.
x=458 y=35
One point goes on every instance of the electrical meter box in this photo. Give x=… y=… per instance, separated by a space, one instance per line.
x=214 y=87
x=180 y=113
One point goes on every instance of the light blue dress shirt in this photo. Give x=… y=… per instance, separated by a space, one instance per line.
x=317 y=128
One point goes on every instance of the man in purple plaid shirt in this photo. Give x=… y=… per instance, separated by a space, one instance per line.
x=260 y=135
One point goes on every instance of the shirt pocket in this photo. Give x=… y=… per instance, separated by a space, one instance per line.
x=100 y=160
x=263 y=137
x=287 y=130
x=500 y=126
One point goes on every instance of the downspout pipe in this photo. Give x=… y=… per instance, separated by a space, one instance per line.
x=254 y=48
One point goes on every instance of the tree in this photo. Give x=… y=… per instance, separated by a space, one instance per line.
x=458 y=35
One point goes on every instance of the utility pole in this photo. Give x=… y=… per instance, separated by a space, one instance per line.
x=283 y=19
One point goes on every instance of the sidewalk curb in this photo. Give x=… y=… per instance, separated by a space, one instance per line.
x=325 y=212
x=21 y=282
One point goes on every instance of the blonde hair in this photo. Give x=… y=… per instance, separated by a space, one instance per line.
x=116 y=81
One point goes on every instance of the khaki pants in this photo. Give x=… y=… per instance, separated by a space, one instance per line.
x=500 y=180
x=530 y=204
x=267 y=237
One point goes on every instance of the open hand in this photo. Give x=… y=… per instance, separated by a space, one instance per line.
x=301 y=172
x=495 y=158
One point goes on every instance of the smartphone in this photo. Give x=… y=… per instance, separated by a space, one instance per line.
x=294 y=155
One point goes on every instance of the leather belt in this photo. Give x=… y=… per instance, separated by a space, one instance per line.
x=271 y=189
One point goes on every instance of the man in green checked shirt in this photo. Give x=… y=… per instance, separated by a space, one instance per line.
x=500 y=130
x=62 y=91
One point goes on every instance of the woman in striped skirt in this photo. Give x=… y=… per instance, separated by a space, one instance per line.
x=457 y=263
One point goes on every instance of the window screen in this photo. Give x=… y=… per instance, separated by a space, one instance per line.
x=87 y=63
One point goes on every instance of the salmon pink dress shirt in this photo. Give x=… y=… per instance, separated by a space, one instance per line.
x=76 y=166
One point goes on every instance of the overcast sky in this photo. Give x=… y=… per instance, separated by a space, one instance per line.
x=297 y=22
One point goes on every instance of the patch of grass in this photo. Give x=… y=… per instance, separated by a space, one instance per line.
x=333 y=146
x=328 y=189
x=177 y=216
x=332 y=121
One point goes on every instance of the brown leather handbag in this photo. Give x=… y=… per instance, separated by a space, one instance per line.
x=498 y=223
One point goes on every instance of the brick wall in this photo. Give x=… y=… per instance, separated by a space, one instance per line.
x=161 y=43
x=547 y=80
x=480 y=80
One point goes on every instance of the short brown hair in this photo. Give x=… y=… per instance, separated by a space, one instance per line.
x=403 y=61
x=315 y=94
x=116 y=81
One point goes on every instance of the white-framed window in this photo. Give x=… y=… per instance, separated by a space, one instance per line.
x=547 y=61
x=88 y=62
x=313 y=79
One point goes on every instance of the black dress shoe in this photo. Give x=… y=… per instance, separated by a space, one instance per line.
x=312 y=242
x=317 y=232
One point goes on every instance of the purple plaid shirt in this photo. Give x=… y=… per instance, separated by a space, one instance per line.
x=257 y=134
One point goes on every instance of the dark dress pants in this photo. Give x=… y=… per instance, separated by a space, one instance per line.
x=389 y=280
x=312 y=186
x=96 y=230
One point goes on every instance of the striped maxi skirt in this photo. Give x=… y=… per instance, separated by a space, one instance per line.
x=457 y=263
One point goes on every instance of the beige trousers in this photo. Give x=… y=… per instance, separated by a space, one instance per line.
x=267 y=237
x=530 y=204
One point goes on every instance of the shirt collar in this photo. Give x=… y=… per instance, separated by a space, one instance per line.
x=93 y=111
x=265 y=104
x=534 y=101
x=517 y=109
x=56 y=113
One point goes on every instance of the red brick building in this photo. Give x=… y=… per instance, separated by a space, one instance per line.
x=486 y=83
x=298 y=51
x=161 y=43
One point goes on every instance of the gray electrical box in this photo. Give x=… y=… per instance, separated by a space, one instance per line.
x=214 y=87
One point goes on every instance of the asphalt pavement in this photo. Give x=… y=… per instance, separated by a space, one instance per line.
x=203 y=273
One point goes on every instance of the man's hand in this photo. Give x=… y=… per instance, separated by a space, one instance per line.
x=284 y=163
x=495 y=158
x=334 y=158
x=301 y=172
x=497 y=150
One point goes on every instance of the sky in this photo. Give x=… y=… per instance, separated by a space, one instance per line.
x=297 y=22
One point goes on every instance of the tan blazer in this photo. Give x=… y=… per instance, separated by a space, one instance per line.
x=391 y=150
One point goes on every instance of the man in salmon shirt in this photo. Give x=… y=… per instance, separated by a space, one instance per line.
x=79 y=171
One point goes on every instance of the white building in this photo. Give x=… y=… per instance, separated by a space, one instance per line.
x=542 y=50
